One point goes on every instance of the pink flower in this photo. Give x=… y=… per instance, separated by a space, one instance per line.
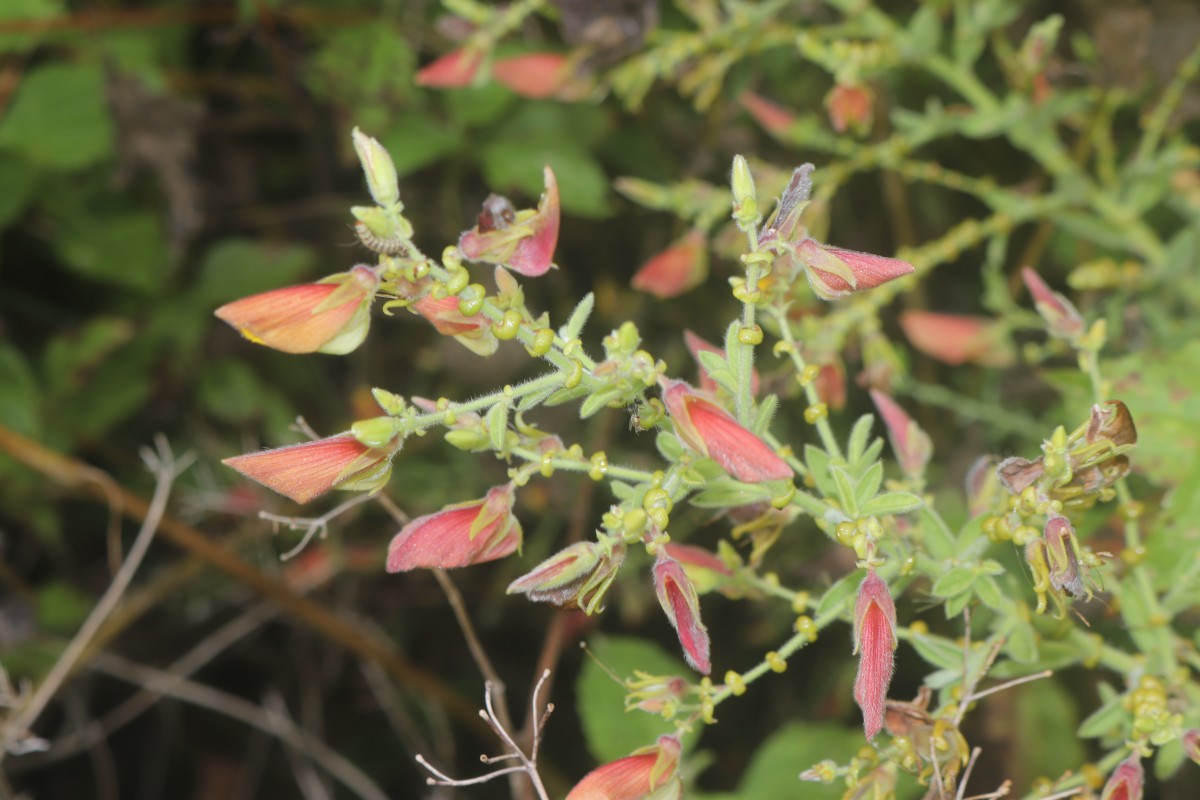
x=831 y=384
x=453 y=70
x=1126 y=781
x=875 y=644
x=1062 y=318
x=533 y=75
x=682 y=266
x=330 y=316
x=957 y=338
x=1191 y=744
x=576 y=577
x=304 y=471
x=679 y=601
x=458 y=535
x=833 y=272
x=910 y=444
x=648 y=773
x=524 y=245
x=850 y=107
x=473 y=332
x=704 y=569
x=697 y=345
x=774 y=118
x=707 y=428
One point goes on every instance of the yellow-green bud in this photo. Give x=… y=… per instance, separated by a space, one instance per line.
x=378 y=167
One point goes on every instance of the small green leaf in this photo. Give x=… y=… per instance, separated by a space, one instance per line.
x=1021 y=645
x=955 y=605
x=669 y=446
x=728 y=493
x=845 y=490
x=20 y=400
x=497 y=425
x=598 y=400
x=860 y=434
x=818 y=466
x=1109 y=718
x=891 y=503
x=762 y=418
x=988 y=591
x=59 y=117
x=837 y=595
x=578 y=318
x=938 y=650
x=813 y=506
x=954 y=581
x=938 y=538
x=868 y=485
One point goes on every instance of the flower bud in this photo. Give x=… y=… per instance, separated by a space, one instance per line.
x=1191 y=744
x=533 y=75
x=875 y=643
x=742 y=182
x=911 y=445
x=576 y=577
x=707 y=571
x=378 y=167
x=679 y=602
x=458 y=535
x=1062 y=318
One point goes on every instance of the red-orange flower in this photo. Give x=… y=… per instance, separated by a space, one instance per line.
x=774 y=118
x=533 y=75
x=875 y=643
x=682 y=266
x=697 y=345
x=706 y=427
x=330 y=316
x=704 y=569
x=453 y=70
x=648 y=773
x=526 y=244
x=1126 y=781
x=957 y=338
x=850 y=107
x=305 y=471
x=458 y=535
x=473 y=332
x=910 y=444
x=679 y=602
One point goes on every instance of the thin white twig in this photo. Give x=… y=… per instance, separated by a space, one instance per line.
x=312 y=526
x=166 y=469
x=1037 y=676
x=307 y=779
x=966 y=776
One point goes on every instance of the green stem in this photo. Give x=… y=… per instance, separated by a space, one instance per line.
x=810 y=390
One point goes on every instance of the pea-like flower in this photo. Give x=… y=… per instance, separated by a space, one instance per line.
x=1062 y=319
x=910 y=444
x=305 y=471
x=875 y=643
x=329 y=316
x=957 y=338
x=453 y=70
x=523 y=241
x=1126 y=781
x=682 y=266
x=680 y=603
x=651 y=773
x=458 y=535
x=706 y=427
